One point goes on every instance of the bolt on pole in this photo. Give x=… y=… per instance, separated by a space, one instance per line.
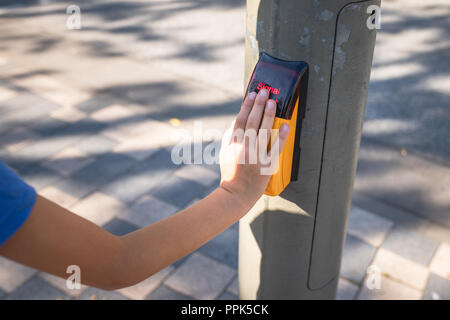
x=290 y=246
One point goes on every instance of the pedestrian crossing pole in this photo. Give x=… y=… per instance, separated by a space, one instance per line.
x=290 y=246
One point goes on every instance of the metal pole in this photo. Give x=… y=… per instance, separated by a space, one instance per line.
x=290 y=246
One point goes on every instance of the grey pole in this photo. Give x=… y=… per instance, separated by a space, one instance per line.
x=290 y=246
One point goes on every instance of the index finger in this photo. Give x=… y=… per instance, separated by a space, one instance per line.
x=247 y=105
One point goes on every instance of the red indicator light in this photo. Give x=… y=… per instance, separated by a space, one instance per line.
x=272 y=90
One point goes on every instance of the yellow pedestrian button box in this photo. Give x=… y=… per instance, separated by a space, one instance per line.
x=287 y=83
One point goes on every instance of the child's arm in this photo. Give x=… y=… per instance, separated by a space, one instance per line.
x=53 y=238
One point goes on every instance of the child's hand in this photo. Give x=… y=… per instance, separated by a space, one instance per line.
x=244 y=158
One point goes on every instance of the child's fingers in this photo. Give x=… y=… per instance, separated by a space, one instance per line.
x=226 y=138
x=267 y=122
x=254 y=119
x=283 y=135
x=247 y=105
x=280 y=141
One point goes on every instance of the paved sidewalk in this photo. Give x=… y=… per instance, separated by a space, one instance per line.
x=89 y=118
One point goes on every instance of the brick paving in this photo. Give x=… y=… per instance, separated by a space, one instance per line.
x=104 y=153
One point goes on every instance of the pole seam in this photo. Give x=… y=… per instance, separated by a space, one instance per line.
x=323 y=145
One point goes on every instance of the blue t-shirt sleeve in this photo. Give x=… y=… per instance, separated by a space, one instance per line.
x=17 y=199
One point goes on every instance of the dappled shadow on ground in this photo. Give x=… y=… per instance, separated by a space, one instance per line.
x=408 y=97
x=112 y=20
x=149 y=102
x=146 y=101
x=400 y=97
x=407 y=103
x=409 y=184
x=408 y=111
